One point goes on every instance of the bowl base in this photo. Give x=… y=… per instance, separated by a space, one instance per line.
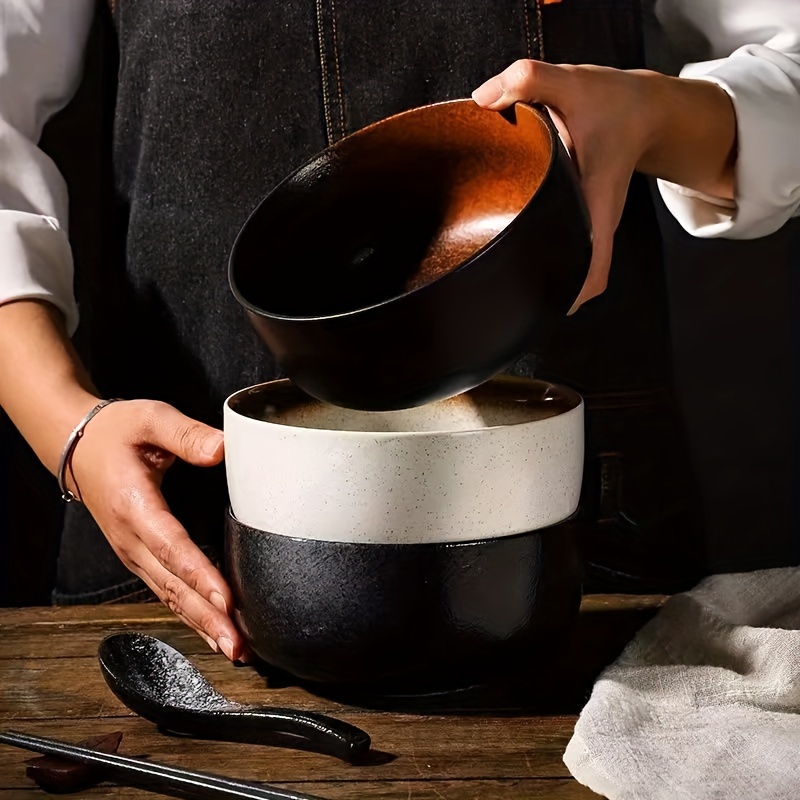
x=405 y=621
x=527 y=685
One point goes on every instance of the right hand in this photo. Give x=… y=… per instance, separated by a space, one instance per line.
x=616 y=121
x=117 y=469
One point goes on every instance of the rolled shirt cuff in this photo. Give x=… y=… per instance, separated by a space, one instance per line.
x=764 y=86
x=37 y=263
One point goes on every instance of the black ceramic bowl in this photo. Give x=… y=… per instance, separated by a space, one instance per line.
x=416 y=258
x=404 y=618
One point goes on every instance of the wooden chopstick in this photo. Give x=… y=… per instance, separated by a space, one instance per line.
x=161 y=778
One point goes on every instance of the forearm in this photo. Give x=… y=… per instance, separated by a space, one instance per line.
x=754 y=56
x=44 y=388
x=693 y=134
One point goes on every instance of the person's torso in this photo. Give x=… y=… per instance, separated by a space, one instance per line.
x=216 y=102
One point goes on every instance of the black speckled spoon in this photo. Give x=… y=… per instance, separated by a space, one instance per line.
x=162 y=685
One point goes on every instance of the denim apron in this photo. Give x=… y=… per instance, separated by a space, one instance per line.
x=215 y=102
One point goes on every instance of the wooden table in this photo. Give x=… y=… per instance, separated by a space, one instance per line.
x=506 y=743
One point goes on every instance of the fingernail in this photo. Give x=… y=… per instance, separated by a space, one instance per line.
x=226 y=645
x=210 y=642
x=245 y=659
x=211 y=444
x=488 y=94
x=219 y=601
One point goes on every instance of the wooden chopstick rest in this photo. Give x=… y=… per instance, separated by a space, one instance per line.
x=54 y=774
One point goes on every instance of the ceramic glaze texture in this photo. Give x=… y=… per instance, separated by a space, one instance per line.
x=416 y=258
x=160 y=684
x=417 y=617
x=503 y=459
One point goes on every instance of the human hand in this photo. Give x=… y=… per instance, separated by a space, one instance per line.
x=117 y=469
x=616 y=121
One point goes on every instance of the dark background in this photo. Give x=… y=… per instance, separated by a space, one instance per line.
x=735 y=340
x=738 y=381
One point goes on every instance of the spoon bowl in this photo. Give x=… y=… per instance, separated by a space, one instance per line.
x=160 y=684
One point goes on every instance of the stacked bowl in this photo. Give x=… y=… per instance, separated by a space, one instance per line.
x=400 y=515
x=408 y=549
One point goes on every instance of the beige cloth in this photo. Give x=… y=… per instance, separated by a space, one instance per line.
x=704 y=703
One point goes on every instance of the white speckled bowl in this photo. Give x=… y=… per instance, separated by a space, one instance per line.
x=503 y=459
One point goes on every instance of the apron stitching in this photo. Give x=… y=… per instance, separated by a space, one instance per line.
x=539 y=31
x=323 y=63
x=526 y=17
x=336 y=66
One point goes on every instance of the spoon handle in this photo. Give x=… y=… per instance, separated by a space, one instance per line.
x=304 y=730
x=161 y=778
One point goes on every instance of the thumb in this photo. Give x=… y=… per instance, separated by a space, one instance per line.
x=190 y=440
x=524 y=80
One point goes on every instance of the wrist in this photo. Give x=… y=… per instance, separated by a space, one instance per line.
x=65 y=475
x=43 y=387
x=57 y=421
x=691 y=135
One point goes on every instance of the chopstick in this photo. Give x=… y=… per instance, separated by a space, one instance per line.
x=143 y=774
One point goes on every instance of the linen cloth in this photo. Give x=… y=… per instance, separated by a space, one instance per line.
x=704 y=703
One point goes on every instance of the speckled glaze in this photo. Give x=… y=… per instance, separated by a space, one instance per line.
x=403 y=618
x=502 y=459
x=415 y=258
x=162 y=685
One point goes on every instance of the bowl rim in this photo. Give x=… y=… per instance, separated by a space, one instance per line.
x=575 y=398
x=555 y=143
x=557 y=528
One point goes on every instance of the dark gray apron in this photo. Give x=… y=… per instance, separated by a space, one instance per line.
x=216 y=102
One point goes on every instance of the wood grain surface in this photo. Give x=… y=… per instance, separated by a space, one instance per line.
x=502 y=742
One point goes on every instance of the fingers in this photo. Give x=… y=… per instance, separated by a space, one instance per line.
x=187 y=438
x=119 y=466
x=155 y=546
x=524 y=81
x=594 y=111
x=604 y=189
x=563 y=132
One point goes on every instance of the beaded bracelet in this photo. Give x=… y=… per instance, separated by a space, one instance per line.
x=69 y=448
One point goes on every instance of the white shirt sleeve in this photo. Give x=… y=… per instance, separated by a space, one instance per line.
x=41 y=58
x=755 y=50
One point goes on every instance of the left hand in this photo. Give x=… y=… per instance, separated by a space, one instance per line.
x=616 y=121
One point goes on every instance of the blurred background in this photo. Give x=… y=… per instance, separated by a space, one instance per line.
x=737 y=371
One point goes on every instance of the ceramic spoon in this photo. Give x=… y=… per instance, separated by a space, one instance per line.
x=163 y=686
